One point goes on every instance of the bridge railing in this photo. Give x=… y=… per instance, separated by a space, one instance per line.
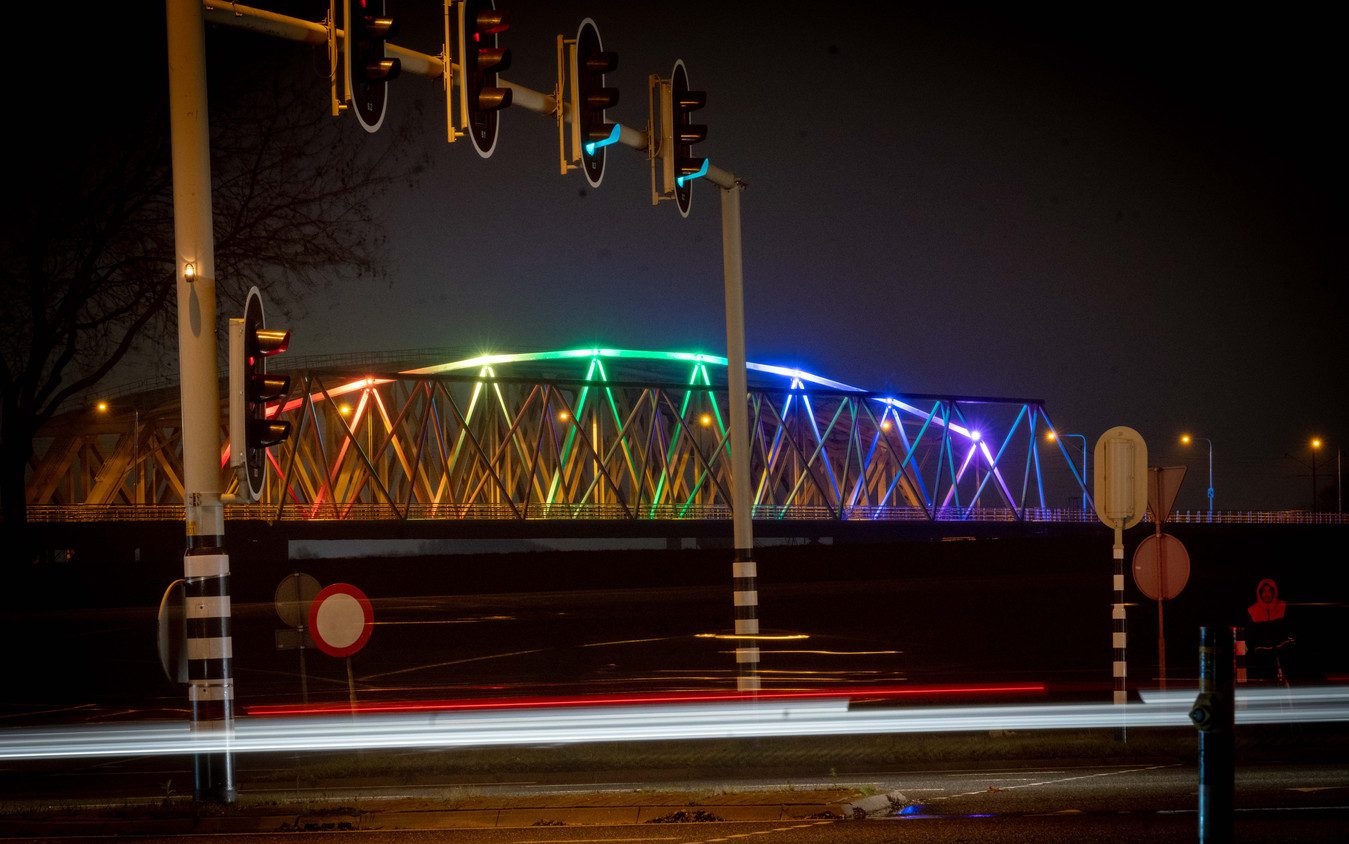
x=617 y=512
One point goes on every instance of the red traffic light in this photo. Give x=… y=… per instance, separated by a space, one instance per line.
x=480 y=59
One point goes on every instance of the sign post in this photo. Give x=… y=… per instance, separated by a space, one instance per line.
x=341 y=620
x=1161 y=563
x=294 y=596
x=1121 y=497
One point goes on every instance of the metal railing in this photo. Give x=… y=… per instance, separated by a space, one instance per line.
x=324 y=512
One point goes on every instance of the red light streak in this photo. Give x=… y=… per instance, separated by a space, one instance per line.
x=868 y=693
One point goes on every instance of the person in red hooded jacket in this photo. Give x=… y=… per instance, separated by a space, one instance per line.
x=1268 y=638
x=1267 y=606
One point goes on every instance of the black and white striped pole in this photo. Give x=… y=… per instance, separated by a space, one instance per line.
x=1121 y=497
x=205 y=564
x=744 y=570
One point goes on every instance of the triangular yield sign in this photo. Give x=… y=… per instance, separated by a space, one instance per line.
x=1163 y=484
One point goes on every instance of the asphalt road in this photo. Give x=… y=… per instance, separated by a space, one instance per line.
x=1027 y=802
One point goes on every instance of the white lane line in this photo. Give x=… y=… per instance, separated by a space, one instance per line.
x=1110 y=773
x=740 y=835
x=592 y=840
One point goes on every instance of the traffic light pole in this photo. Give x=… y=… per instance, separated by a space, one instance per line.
x=205 y=564
x=744 y=570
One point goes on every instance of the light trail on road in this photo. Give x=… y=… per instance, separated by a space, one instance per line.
x=686 y=721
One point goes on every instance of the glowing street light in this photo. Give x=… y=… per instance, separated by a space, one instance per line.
x=1053 y=436
x=1316 y=444
x=1186 y=439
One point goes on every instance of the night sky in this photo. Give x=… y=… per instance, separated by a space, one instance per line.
x=1129 y=216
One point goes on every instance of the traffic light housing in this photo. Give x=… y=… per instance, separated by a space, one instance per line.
x=480 y=59
x=590 y=132
x=674 y=157
x=251 y=389
x=368 y=69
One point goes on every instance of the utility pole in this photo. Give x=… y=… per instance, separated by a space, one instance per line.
x=205 y=564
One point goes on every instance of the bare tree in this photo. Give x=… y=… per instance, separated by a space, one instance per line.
x=87 y=259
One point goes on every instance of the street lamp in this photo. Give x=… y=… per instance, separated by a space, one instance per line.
x=1316 y=446
x=1052 y=436
x=103 y=408
x=1186 y=439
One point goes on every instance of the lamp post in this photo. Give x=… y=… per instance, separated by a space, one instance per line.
x=1316 y=446
x=1052 y=436
x=1186 y=439
x=138 y=492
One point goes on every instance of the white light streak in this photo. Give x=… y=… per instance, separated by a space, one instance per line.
x=646 y=723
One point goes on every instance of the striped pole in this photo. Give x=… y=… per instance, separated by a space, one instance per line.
x=1239 y=654
x=205 y=565
x=1119 y=637
x=210 y=656
x=745 y=572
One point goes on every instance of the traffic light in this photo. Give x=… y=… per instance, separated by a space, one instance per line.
x=480 y=60
x=251 y=388
x=589 y=98
x=675 y=104
x=368 y=69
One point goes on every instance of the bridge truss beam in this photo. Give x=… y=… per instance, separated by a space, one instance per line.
x=490 y=439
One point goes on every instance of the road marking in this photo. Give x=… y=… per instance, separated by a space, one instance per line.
x=1109 y=773
x=740 y=835
x=1308 y=789
x=1262 y=809
x=596 y=840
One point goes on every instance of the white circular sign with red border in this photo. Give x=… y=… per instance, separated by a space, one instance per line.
x=340 y=619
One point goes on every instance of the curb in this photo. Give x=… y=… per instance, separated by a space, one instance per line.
x=463 y=814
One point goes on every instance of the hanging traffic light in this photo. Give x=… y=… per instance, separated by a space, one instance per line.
x=251 y=388
x=480 y=60
x=684 y=134
x=589 y=98
x=368 y=69
x=673 y=163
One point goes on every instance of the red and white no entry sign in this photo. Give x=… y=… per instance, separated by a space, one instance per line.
x=340 y=619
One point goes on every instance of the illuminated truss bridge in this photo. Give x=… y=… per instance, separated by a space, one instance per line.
x=580 y=434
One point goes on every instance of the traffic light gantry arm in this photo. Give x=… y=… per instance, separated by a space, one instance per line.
x=422 y=64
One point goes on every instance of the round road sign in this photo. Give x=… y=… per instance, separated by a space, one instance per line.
x=1149 y=569
x=294 y=596
x=340 y=619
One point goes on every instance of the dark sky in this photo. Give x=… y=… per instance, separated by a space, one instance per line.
x=1126 y=211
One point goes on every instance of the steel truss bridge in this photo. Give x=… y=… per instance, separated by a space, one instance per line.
x=577 y=434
